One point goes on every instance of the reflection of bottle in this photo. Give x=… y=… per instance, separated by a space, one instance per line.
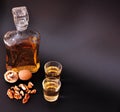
x=22 y=46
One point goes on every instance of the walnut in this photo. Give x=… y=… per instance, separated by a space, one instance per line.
x=29 y=91
x=17 y=95
x=33 y=91
x=16 y=88
x=30 y=85
x=26 y=98
x=24 y=75
x=10 y=93
x=22 y=86
x=22 y=92
x=11 y=76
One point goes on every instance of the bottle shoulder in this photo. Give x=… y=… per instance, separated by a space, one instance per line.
x=25 y=33
x=13 y=37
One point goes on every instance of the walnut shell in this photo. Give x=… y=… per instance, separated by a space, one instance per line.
x=11 y=76
x=24 y=74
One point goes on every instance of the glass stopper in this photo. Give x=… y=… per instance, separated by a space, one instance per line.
x=21 y=17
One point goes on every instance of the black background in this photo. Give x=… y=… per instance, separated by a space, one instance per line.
x=84 y=36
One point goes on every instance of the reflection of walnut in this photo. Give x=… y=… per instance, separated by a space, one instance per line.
x=22 y=91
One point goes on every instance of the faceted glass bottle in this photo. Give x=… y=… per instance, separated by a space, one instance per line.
x=22 y=45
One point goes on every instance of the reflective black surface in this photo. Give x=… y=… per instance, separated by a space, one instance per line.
x=84 y=36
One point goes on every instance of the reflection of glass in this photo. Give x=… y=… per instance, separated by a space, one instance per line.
x=51 y=87
x=53 y=69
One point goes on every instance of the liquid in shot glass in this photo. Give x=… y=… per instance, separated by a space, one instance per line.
x=53 y=69
x=51 y=87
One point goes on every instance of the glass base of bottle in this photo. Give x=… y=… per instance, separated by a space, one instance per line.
x=32 y=68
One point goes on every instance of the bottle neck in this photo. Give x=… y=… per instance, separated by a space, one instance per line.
x=21 y=28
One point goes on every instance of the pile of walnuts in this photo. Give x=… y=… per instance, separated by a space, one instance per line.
x=21 y=92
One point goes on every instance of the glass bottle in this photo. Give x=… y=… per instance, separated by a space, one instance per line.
x=22 y=45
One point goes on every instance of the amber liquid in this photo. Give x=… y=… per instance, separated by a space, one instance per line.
x=23 y=55
x=53 y=71
x=51 y=91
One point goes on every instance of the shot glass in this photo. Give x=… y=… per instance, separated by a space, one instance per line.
x=51 y=87
x=53 y=69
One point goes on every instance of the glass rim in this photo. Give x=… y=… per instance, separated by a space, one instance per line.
x=52 y=79
x=48 y=62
